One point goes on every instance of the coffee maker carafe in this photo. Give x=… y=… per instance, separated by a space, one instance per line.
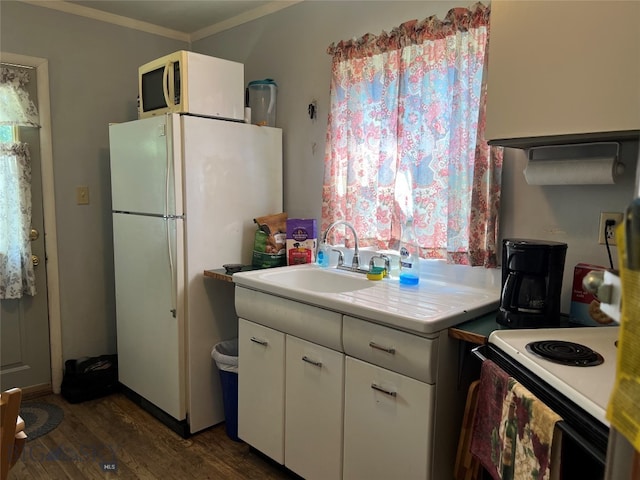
x=531 y=283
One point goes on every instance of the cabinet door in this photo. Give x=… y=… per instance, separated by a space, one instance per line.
x=261 y=388
x=551 y=73
x=388 y=424
x=314 y=406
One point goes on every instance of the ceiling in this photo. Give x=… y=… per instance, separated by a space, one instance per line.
x=186 y=20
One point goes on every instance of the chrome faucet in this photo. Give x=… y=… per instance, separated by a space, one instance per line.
x=355 y=263
x=387 y=263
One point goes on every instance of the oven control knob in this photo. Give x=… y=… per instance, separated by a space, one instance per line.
x=606 y=287
x=593 y=282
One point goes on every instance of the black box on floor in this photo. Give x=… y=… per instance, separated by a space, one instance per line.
x=89 y=378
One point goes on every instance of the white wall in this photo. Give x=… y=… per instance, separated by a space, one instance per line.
x=290 y=47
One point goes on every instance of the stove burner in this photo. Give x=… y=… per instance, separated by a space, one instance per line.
x=565 y=353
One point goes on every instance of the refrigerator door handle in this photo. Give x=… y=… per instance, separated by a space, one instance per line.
x=167 y=192
x=174 y=286
x=167 y=169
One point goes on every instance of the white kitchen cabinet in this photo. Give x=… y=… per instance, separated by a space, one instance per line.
x=261 y=356
x=563 y=68
x=398 y=402
x=314 y=402
x=347 y=397
x=388 y=424
x=290 y=400
x=291 y=390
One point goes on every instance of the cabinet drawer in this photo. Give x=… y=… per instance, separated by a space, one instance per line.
x=315 y=324
x=401 y=352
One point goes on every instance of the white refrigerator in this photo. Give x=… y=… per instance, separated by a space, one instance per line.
x=185 y=191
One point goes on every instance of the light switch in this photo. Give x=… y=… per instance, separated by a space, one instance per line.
x=82 y=195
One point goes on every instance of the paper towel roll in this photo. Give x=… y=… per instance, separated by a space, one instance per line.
x=590 y=171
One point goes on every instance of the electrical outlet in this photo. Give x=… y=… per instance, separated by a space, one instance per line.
x=610 y=232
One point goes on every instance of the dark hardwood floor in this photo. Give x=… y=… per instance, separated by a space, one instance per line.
x=113 y=432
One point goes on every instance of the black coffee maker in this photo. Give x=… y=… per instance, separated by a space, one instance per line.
x=531 y=283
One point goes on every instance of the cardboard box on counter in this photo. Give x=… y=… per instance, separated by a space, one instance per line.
x=302 y=240
x=269 y=245
x=585 y=307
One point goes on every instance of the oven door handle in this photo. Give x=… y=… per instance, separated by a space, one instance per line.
x=479 y=352
x=580 y=440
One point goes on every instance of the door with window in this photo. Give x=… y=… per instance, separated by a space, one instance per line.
x=25 y=359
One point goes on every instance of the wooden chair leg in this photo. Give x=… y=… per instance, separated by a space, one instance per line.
x=18 y=447
x=467 y=466
x=11 y=430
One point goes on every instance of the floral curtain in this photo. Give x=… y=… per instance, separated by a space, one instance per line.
x=16 y=109
x=406 y=138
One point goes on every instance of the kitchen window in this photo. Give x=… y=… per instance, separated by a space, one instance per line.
x=406 y=138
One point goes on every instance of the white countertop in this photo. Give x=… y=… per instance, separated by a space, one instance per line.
x=436 y=303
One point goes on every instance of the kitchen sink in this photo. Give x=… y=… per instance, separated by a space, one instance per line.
x=318 y=279
x=436 y=303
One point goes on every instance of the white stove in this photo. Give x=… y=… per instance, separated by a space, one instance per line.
x=589 y=387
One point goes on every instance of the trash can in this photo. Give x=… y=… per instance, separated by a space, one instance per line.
x=225 y=355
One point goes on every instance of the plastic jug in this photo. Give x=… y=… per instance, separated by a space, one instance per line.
x=262 y=101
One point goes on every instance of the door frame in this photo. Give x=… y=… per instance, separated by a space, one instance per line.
x=49 y=205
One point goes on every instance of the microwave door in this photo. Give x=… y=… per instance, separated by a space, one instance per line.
x=154 y=95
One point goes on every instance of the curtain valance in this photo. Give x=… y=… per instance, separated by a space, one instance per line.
x=412 y=32
x=16 y=106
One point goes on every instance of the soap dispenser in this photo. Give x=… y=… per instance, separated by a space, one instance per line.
x=322 y=258
x=409 y=259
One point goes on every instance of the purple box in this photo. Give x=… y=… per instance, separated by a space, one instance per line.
x=301 y=229
x=301 y=240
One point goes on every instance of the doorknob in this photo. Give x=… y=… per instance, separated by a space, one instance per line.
x=34 y=234
x=35 y=260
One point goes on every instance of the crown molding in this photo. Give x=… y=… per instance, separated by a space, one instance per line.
x=88 y=12
x=245 y=17
x=127 y=22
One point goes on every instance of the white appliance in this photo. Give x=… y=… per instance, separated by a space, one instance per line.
x=185 y=190
x=572 y=371
x=589 y=387
x=188 y=82
x=581 y=394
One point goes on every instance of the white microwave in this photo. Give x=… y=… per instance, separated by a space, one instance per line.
x=188 y=82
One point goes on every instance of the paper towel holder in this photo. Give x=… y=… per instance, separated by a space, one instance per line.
x=594 y=163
